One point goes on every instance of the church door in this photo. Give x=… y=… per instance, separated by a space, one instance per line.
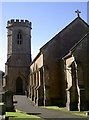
x=19 y=86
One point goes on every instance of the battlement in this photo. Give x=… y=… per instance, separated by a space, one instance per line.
x=17 y=21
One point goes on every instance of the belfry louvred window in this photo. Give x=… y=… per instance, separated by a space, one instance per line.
x=19 y=38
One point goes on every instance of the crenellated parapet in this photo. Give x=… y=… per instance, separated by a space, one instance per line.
x=18 y=22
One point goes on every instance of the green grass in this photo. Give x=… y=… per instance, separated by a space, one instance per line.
x=54 y=107
x=80 y=113
x=19 y=115
x=1 y=103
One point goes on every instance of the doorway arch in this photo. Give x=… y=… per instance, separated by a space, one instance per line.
x=19 y=85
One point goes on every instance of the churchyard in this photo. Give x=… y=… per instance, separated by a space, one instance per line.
x=63 y=82
x=7 y=108
x=9 y=112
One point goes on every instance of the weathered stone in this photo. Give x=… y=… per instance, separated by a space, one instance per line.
x=76 y=72
x=1 y=81
x=62 y=63
x=18 y=56
x=2 y=109
x=50 y=60
x=9 y=101
x=2 y=96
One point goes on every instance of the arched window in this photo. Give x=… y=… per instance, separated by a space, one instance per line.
x=19 y=38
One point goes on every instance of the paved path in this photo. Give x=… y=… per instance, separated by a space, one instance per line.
x=27 y=106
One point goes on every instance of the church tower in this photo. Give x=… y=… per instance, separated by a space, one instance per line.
x=18 y=55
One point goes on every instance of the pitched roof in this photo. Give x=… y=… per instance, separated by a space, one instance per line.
x=78 y=18
x=57 y=35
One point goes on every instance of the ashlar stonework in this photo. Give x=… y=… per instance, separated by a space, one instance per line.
x=59 y=73
x=18 y=55
x=53 y=83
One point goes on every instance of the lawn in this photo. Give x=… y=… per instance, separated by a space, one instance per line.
x=19 y=115
x=1 y=103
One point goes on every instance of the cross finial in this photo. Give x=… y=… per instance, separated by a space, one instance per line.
x=77 y=11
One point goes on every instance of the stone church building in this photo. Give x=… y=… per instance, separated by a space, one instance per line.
x=59 y=73
x=49 y=82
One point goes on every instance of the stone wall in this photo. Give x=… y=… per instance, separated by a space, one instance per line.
x=77 y=64
x=36 y=87
x=55 y=49
x=18 y=55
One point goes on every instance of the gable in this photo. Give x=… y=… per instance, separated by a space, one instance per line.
x=81 y=50
x=85 y=38
x=80 y=47
x=68 y=37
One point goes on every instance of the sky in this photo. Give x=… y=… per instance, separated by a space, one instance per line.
x=48 y=18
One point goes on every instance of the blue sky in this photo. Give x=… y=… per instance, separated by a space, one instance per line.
x=47 y=18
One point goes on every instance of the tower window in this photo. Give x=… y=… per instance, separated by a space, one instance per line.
x=19 y=38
